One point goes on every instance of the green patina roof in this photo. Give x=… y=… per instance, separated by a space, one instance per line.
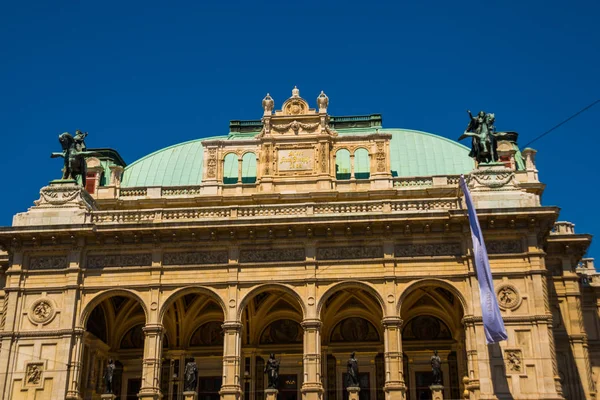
x=413 y=153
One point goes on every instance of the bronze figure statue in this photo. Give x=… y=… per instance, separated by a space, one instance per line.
x=272 y=369
x=190 y=375
x=436 y=368
x=108 y=377
x=353 y=372
x=74 y=153
x=481 y=130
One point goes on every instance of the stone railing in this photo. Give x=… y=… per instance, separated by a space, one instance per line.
x=180 y=191
x=284 y=210
x=133 y=192
x=412 y=182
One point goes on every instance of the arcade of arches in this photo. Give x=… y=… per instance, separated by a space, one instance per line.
x=312 y=349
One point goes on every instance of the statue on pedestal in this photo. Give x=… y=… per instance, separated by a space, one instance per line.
x=190 y=375
x=108 y=377
x=436 y=368
x=272 y=371
x=353 y=371
x=483 y=133
x=74 y=153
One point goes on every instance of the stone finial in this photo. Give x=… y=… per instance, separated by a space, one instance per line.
x=323 y=102
x=295 y=92
x=268 y=104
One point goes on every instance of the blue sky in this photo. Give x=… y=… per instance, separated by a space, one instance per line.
x=139 y=76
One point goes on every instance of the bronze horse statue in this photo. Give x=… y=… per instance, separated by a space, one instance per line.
x=74 y=153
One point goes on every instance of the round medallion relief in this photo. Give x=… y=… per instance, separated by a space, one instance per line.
x=41 y=311
x=508 y=297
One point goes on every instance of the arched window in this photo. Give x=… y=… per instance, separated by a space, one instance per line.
x=249 y=168
x=362 y=168
x=230 y=169
x=342 y=164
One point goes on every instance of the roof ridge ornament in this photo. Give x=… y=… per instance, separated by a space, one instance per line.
x=295 y=91
x=323 y=102
x=268 y=103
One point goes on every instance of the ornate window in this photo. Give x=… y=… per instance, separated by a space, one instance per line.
x=249 y=168
x=362 y=169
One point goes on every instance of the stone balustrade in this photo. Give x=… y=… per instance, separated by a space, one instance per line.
x=284 y=210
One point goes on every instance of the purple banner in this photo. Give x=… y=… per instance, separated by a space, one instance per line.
x=492 y=319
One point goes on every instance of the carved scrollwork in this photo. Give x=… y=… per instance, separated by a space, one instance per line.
x=196 y=258
x=380 y=157
x=295 y=126
x=503 y=246
x=212 y=164
x=117 y=260
x=48 y=262
x=350 y=252
x=272 y=255
x=508 y=297
x=493 y=178
x=431 y=250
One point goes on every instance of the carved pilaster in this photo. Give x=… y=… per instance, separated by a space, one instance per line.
x=394 y=382
x=312 y=388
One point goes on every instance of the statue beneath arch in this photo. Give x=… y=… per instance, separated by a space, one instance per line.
x=272 y=371
x=353 y=380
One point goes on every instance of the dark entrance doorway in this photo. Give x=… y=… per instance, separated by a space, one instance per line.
x=365 y=386
x=208 y=387
x=423 y=381
x=133 y=387
x=288 y=387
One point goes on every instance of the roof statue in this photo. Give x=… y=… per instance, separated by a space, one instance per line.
x=484 y=145
x=323 y=102
x=295 y=92
x=268 y=104
x=74 y=153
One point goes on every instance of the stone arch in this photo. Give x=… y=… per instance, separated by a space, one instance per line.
x=230 y=167
x=106 y=294
x=342 y=164
x=264 y=288
x=189 y=290
x=328 y=329
x=432 y=282
x=350 y=284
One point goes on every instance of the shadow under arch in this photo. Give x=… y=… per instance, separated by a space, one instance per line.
x=350 y=284
x=189 y=290
x=107 y=294
x=428 y=282
x=265 y=288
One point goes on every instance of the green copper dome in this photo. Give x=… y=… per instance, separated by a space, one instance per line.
x=413 y=153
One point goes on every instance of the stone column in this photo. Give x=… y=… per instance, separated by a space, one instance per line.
x=394 y=376
x=471 y=384
x=312 y=388
x=352 y=166
x=153 y=335
x=74 y=373
x=240 y=170
x=232 y=347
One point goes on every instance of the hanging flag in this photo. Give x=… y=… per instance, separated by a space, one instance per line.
x=492 y=319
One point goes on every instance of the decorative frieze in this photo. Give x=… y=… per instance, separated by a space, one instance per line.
x=48 y=262
x=349 y=252
x=272 y=255
x=118 y=260
x=428 y=249
x=504 y=246
x=196 y=258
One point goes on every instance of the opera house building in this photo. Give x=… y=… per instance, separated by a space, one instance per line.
x=303 y=235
